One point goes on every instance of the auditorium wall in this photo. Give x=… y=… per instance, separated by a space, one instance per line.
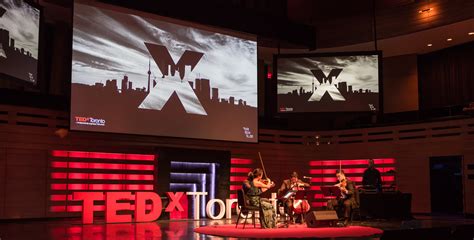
x=28 y=135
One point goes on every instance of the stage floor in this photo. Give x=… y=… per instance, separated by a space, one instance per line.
x=422 y=227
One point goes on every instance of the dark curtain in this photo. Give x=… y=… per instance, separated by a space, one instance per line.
x=446 y=77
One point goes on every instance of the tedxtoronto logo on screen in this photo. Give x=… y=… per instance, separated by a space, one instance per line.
x=326 y=85
x=89 y=121
x=168 y=85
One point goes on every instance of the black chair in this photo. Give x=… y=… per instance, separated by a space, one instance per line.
x=245 y=208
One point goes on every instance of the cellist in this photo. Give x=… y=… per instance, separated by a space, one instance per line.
x=293 y=183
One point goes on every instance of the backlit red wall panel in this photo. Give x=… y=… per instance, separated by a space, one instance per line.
x=239 y=169
x=323 y=172
x=76 y=171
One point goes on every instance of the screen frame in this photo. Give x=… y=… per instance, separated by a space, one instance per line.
x=22 y=83
x=220 y=30
x=274 y=86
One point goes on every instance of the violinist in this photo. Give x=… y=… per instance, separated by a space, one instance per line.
x=257 y=187
x=347 y=200
x=293 y=183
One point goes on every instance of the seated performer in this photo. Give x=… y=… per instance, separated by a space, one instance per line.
x=372 y=177
x=293 y=183
x=347 y=201
x=257 y=187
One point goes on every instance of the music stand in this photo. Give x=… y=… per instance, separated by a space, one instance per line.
x=331 y=191
x=288 y=194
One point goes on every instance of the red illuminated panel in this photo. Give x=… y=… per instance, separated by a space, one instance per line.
x=78 y=165
x=105 y=176
x=384 y=161
x=240 y=161
x=139 y=177
x=56 y=186
x=112 y=166
x=238 y=178
x=141 y=157
x=235 y=187
x=78 y=175
x=58 y=197
x=102 y=155
x=317 y=188
x=57 y=208
x=58 y=175
x=388 y=178
x=77 y=186
x=59 y=153
x=240 y=170
x=106 y=186
x=233 y=196
x=59 y=164
x=140 y=167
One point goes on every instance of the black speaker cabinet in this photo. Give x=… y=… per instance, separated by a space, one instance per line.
x=316 y=219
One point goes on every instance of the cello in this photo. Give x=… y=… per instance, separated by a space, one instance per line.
x=300 y=206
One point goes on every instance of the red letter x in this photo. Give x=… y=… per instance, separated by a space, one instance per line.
x=174 y=201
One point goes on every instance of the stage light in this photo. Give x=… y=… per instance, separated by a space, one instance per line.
x=429 y=45
x=449 y=39
x=426 y=10
x=470 y=33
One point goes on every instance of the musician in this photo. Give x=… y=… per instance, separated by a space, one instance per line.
x=257 y=187
x=293 y=183
x=347 y=201
x=246 y=184
x=372 y=177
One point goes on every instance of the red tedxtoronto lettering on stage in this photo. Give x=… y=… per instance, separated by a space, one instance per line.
x=112 y=205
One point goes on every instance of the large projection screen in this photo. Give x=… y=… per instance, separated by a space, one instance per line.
x=138 y=73
x=330 y=82
x=19 y=40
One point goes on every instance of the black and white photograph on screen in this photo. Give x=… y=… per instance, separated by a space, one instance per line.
x=328 y=83
x=19 y=37
x=140 y=75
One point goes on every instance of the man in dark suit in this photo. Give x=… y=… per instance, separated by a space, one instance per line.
x=293 y=183
x=348 y=199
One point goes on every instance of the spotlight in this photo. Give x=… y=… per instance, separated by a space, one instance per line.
x=470 y=33
x=449 y=39
x=429 y=45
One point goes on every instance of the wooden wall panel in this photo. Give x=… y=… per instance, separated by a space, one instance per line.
x=25 y=186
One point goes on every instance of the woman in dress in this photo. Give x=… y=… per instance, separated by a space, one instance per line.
x=257 y=187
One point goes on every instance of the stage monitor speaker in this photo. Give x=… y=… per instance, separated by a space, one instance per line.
x=316 y=219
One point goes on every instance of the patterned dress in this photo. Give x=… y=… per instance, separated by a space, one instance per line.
x=267 y=214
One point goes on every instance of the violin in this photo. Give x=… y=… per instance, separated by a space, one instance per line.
x=342 y=185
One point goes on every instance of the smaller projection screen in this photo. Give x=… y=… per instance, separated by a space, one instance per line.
x=137 y=73
x=347 y=82
x=19 y=37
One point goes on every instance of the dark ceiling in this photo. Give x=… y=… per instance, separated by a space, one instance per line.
x=307 y=23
